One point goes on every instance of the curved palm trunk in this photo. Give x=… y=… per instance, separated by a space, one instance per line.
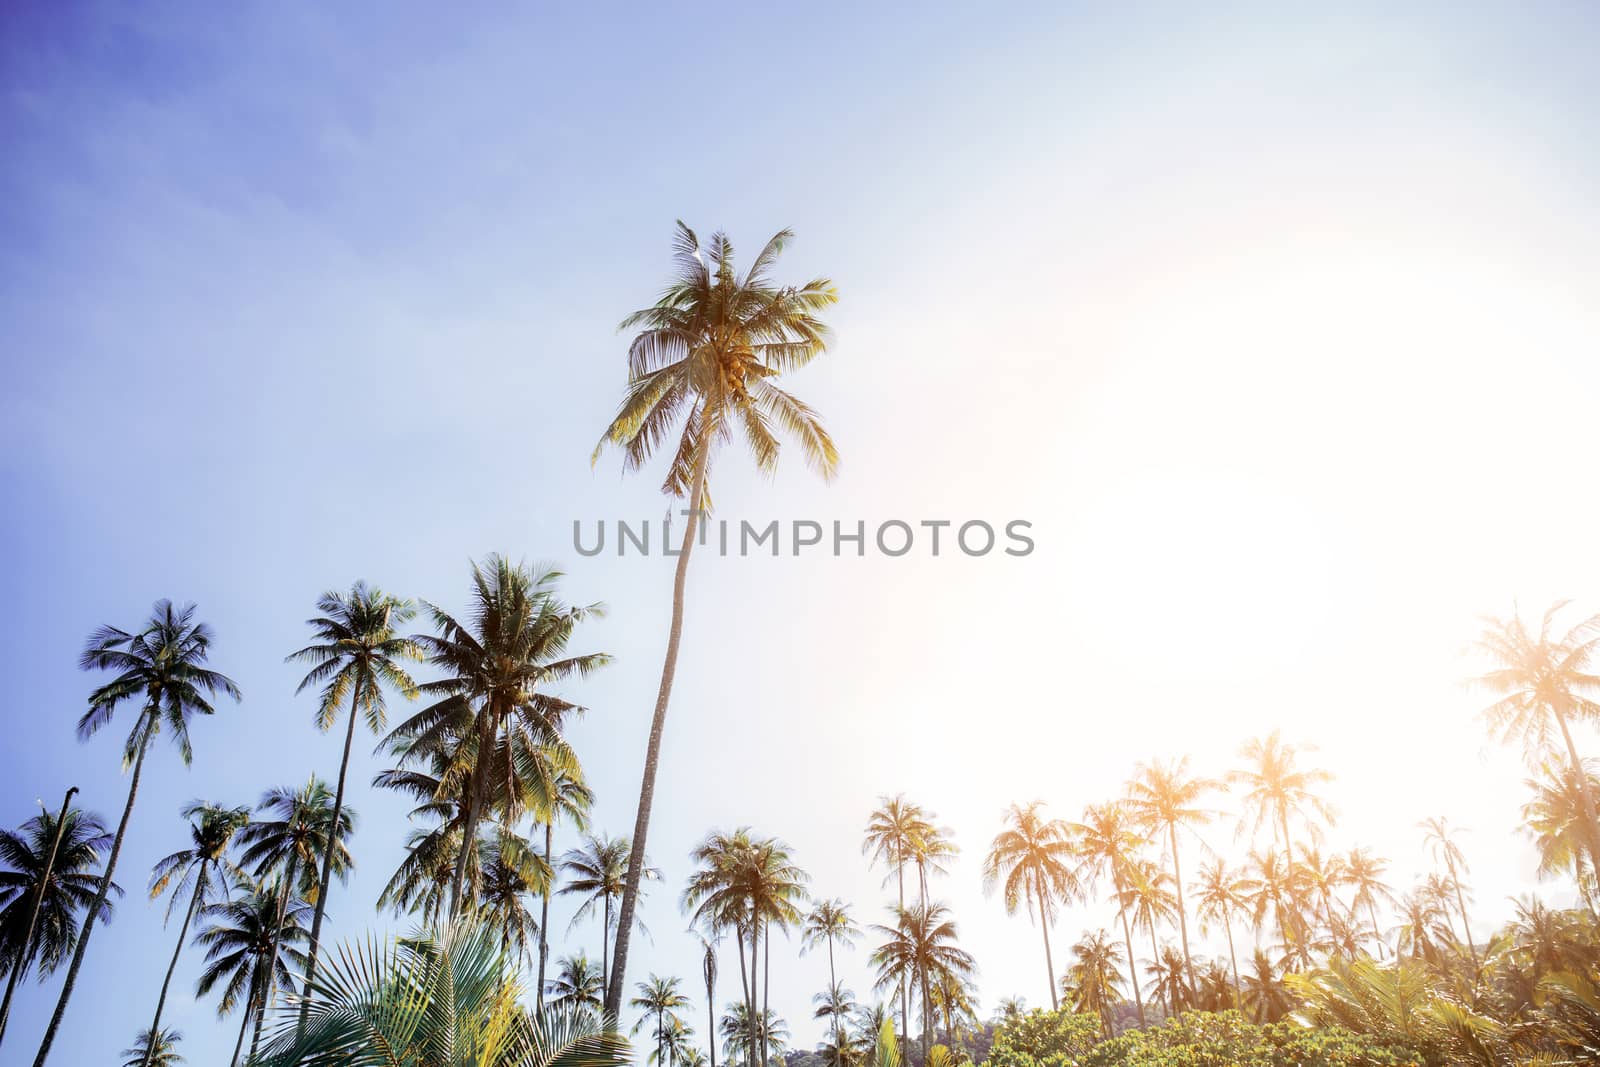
x=1461 y=904
x=26 y=953
x=544 y=915
x=1183 y=913
x=99 y=902
x=1044 y=926
x=488 y=726
x=1133 y=966
x=325 y=880
x=1233 y=958
x=658 y=723
x=244 y=1026
x=1163 y=995
x=1584 y=793
x=183 y=934
x=269 y=993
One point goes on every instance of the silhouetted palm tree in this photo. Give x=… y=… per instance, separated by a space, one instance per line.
x=577 y=984
x=1440 y=838
x=1220 y=894
x=205 y=866
x=709 y=351
x=1107 y=842
x=154 y=1048
x=162 y=665
x=660 y=999
x=570 y=800
x=828 y=922
x=355 y=653
x=513 y=873
x=1166 y=798
x=891 y=838
x=597 y=872
x=251 y=944
x=922 y=943
x=1093 y=981
x=73 y=883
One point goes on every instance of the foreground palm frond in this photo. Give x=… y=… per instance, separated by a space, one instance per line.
x=436 y=1000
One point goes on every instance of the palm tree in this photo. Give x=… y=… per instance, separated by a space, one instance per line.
x=154 y=1048
x=836 y=1004
x=1277 y=789
x=1147 y=898
x=1264 y=991
x=1439 y=838
x=1107 y=843
x=512 y=873
x=162 y=665
x=203 y=865
x=570 y=800
x=290 y=844
x=491 y=701
x=598 y=871
x=708 y=971
x=577 y=984
x=251 y=943
x=675 y=1046
x=661 y=998
x=921 y=945
x=1275 y=894
x=709 y=350
x=1220 y=894
x=355 y=652
x=1033 y=857
x=1363 y=875
x=827 y=922
x=1553 y=818
x=42 y=927
x=1421 y=925
x=891 y=837
x=1543 y=682
x=1093 y=982
x=752 y=1036
x=446 y=999
x=1164 y=798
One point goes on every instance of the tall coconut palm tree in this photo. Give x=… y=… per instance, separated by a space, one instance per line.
x=829 y=922
x=513 y=873
x=299 y=829
x=710 y=351
x=570 y=801
x=577 y=984
x=677 y=1046
x=1166 y=798
x=836 y=1004
x=1553 y=818
x=1276 y=895
x=154 y=1048
x=162 y=665
x=708 y=971
x=1363 y=876
x=752 y=1039
x=446 y=999
x=1544 y=683
x=1033 y=858
x=1166 y=973
x=496 y=668
x=355 y=653
x=1266 y=996
x=1148 y=900
x=1439 y=837
x=40 y=914
x=1278 y=790
x=660 y=999
x=251 y=944
x=1108 y=842
x=597 y=872
x=199 y=870
x=893 y=830
x=921 y=944
x=1220 y=894
x=1093 y=981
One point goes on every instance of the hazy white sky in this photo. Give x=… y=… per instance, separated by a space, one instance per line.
x=1276 y=326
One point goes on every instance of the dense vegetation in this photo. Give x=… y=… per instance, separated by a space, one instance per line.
x=1326 y=961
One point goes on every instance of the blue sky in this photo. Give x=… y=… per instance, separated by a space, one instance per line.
x=1277 y=325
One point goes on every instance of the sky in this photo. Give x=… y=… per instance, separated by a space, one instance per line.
x=1275 y=324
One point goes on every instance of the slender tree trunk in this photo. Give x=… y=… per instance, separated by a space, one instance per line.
x=1044 y=926
x=244 y=1026
x=1461 y=903
x=469 y=828
x=766 y=989
x=26 y=953
x=605 y=944
x=1133 y=966
x=93 y=913
x=1183 y=914
x=658 y=723
x=544 y=911
x=269 y=993
x=833 y=991
x=744 y=988
x=1162 y=996
x=183 y=934
x=325 y=881
x=905 y=994
x=711 y=1013
x=1233 y=958
x=758 y=1029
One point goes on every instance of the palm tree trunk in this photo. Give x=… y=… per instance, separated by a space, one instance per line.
x=766 y=989
x=1461 y=903
x=833 y=991
x=605 y=943
x=1233 y=958
x=1372 y=913
x=183 y=934
x=1133 y=967
x=269 y=993
x=544 y=910
x=325 y=880
x=99 y=901
x=1183 y=914
x=1161 y=995
x=757 y=1029
x=905 y=995
x=1044 y=926
x=244 y=1025
x=711 y=1014
x=658 y=723
x=469 y=829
